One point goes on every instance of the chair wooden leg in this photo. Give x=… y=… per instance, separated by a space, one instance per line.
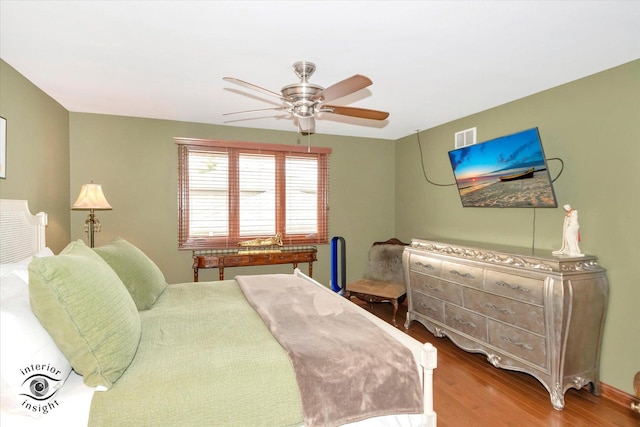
x=395 y=310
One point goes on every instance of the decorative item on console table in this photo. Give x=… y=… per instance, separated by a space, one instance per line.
x=536 y=313
x=263 y=242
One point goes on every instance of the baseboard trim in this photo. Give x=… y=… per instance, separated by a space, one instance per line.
x=617 y=396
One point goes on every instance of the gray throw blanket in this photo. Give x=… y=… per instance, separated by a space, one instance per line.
x=346 y=367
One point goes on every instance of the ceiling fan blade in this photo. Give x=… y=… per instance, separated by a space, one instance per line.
x=252 y=86
x=343 y=88
x=253 y=111
x=355 y=112
x=306 y=125
x=249 y=119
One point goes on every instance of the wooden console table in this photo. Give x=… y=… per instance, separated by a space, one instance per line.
x=221 y=258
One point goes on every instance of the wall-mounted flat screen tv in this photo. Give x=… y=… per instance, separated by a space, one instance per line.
x=506 y=172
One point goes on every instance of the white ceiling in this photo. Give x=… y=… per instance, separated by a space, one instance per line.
x=430 y=61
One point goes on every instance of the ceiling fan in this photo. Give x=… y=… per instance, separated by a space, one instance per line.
x=304 y=100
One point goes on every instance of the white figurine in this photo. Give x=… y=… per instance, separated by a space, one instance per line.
x=570 y=234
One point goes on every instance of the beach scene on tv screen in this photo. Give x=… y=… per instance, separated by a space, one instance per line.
x=509 y=171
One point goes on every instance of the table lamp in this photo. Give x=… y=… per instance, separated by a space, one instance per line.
x=91 y=198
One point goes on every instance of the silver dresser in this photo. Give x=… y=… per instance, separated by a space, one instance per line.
x=535 y=313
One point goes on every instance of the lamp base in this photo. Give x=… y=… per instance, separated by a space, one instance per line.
x=91 y=226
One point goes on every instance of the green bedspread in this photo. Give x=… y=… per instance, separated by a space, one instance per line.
x=205 y=358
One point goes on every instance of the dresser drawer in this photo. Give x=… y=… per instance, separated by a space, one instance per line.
x=430 y=307
x=516 y=313
x=517 y=342
x=310 y=256
x=281 y=257
x=436 y=288
x=206 y=261
x=466 y=321
x=235 y=260
x=463 y=274
x=522 y=288
x=425 y=265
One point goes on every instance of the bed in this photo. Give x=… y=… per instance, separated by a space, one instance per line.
x=96 y=337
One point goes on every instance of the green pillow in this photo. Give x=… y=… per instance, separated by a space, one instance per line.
x=140 y=275
x=88 y=312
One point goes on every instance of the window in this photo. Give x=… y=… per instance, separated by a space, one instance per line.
x=234 y=191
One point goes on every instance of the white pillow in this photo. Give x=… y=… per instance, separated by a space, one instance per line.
x=23 y=265
x=31 y=365
x=7 y=269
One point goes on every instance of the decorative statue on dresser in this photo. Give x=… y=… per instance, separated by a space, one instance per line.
x=570 y=234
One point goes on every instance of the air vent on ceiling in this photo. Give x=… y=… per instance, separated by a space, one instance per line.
x=465 y=137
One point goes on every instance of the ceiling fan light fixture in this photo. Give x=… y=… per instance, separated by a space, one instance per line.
x=304 y=100
x=306 y=125
x=303 y=110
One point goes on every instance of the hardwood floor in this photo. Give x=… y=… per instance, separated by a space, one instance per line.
x=469 y=391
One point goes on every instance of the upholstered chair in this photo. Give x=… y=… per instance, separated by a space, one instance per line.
x=383 y=279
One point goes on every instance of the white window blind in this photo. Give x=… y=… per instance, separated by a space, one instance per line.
x=257 y=180
x=229 y=192
x=302 y=195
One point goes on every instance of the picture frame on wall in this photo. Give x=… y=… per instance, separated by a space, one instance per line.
x=3 y=147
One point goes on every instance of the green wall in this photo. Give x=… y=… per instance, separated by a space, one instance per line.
x=593 y=124
x=135 y=161
x=377 y=186
x=37 y=152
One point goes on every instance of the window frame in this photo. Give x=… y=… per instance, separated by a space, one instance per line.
x=186 y=145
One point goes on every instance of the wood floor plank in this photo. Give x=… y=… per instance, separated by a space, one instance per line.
x=469 y=391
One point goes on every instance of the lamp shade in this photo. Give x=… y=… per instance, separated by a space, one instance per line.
x=91 y=197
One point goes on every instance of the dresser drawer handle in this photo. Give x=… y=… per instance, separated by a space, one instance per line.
x=500 y=310
x=464 y=322
x=433 y=288
x=514 y=287
x=427 y=266
x=465 y=275
x=428 y=307
x=517 y=344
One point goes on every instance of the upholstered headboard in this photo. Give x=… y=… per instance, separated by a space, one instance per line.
x=21 y=233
